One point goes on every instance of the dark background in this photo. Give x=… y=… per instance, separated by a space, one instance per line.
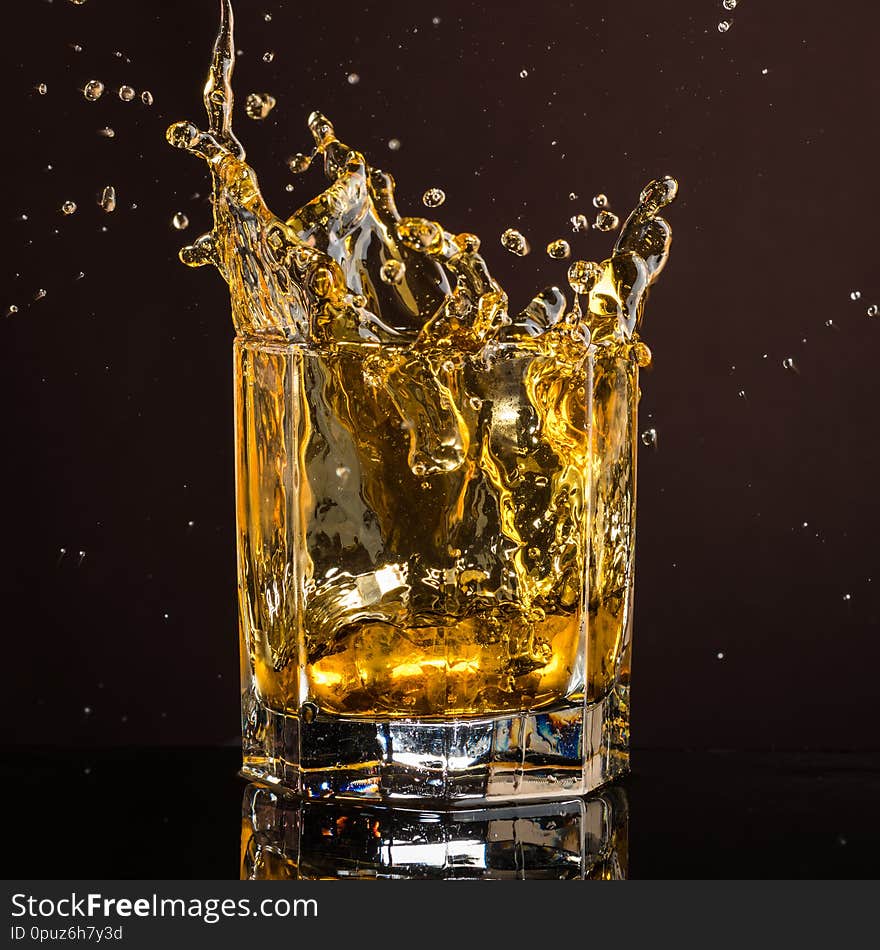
x=757 y=513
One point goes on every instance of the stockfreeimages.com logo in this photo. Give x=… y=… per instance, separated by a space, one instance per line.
x=210 y=910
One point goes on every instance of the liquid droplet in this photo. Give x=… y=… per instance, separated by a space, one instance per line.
x=42 y=89
x=180 y=221
x=729 y=4
x=606 y=221
x=108 y=199
x=40 y=294
x=126 y=93
x=600 y=201
x=68 y=208
x=723 y=26
x=107 y=132
x=394 y=144
x=258 y=105
x=12 y=309
x=649 y=438
x=572 y=196
x=393 y=271
x=299 y=163
x=93 y=90
x=523 y=74
x=579 y=222
x=583 y=276
x=268 y=56
x=855 y=295
x=467 y=242
x=789 y=363
x=873 y=310
x=353 y=79
x=515 y=242
x=847 y=597
x=147 y=97
x=559 y=250
x=433 y=197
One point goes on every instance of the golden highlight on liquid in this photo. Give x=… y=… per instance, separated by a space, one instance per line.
x=416 y=464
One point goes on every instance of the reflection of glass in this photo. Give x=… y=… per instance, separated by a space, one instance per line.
x=427 y=609
x=288 y=839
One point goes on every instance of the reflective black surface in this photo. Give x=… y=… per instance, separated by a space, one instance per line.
x=176 y=813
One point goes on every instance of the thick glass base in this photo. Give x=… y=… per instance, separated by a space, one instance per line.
x=573 y=839
x=553 y=754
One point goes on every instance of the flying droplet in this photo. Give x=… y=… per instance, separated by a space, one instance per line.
x=523 y=74
x=649 y=438
x=12 y=309
x=108 y=199
x=68 y=208
x=606 y=221
x=93 y=90
x=729 y=4
x=583 y=276
x=393 y=271
x=147 y=97
x=267 y=17
x=723 y=26
x=515 y=242
x=788 y=363
x=433 y=197
x=180 y=221
x=855 y=295
x=600 y=201
x=268 y=56
x=353 y=79
x=559 y=250
x=579 y=222
x=720 y=656
x=873 y=310
x=847 y=597
x=299 y=163
x=572 y=196
x=742 y=394
x=40 y=294
x=126 y=93
x=42 y=89
x=394 y=144
x=258 y=105
x=107 y=132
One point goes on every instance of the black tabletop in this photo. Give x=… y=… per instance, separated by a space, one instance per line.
x=176 y=814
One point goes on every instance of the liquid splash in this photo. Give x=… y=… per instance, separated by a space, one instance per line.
x=441 y=392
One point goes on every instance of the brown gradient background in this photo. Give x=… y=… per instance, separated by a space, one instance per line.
x=116 y=388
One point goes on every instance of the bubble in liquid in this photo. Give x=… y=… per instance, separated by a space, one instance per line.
x=108 y=199
x=68 y=208
x=353 y=79
x=606 y=221
x=147 y=97
x=268 y=56
x=258 y=105
x=600 y=201
x=873 y=310
x=343 y=472
x=394 y=144
x=475 y=403
x=583 y=276
x=723 y=26
x=93 y=90
x=559 y=250
x=579 y=222
x=126 y=93
x=467 y=242
x=649 y=438
x=515 y=242
x=299 y=163
x=393 y=271
x=42 y=89
x=180 y=221
x=523 y=74
x=433 y=197
x=855 y=295
x=729 y=4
